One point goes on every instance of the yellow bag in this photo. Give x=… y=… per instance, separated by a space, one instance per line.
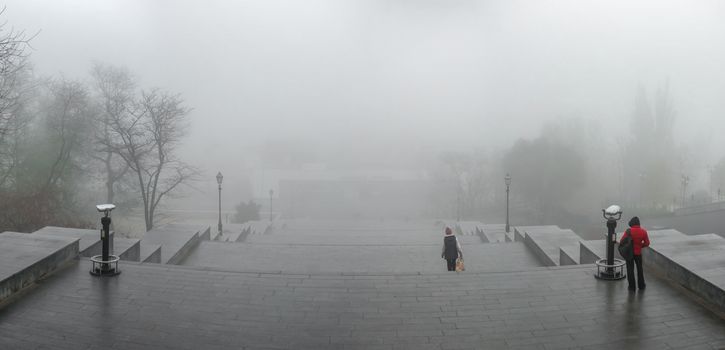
x=460 y=267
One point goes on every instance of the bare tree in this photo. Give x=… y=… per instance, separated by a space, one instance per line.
x=67 y=123
x=146 y=139
x=114 y=87
x=13 y=80
x=50 y=159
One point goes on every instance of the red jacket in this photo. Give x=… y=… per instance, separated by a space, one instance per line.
x=639 y=239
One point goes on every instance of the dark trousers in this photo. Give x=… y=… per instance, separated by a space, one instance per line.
x=451 y=264
x=630 y=272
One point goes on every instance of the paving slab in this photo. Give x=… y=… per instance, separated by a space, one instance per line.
x=174 y=307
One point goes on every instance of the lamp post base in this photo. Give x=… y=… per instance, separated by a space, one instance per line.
x=104 y=268
x=613 y=272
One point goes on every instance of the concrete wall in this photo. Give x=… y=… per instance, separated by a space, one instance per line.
x=37 y=270
x=686 y=278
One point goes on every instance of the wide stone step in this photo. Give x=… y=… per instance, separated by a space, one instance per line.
x=149 y=252
x=126 y=248
x=553 y=246
x=467 y=228
x=232 y=232
x=370 y=259
x=203 y=230
x=350 y=237
x=520 y=231
x=176 y=241
x=496 y=233
x=25 y=258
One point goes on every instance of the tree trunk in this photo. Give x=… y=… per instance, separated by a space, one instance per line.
x=109 y=177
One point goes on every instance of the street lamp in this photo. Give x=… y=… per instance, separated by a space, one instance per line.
x=271 y=193
x=685 y=181
x=507 y=179
x=219 y=178
x=709 y=188
x=642 y=177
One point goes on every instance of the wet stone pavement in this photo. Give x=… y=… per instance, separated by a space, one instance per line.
x=174 y=307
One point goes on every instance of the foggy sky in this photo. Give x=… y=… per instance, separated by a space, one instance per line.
x=415 y=76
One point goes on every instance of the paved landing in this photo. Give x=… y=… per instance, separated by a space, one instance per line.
x=356 y=259
x=173 y=307
x=338 y=236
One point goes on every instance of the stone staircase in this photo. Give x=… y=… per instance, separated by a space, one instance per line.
x=552 y=245
x=171 y=244
x=373 y=247
x=27 y=257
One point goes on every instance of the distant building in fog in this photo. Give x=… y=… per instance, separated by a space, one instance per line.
x=353 y=198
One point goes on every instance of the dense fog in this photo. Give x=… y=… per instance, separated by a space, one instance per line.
x=368 y=109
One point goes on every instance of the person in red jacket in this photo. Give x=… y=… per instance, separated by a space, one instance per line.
x=639 y=241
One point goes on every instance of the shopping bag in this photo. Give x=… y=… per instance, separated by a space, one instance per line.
x=459 y=265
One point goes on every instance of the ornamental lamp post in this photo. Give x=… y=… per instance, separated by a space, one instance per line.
x=271 y=193
x=219 y=178
x=507 y=179
x=685 y=182
x=642 y=177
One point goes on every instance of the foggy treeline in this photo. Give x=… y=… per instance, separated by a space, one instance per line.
x=571 y=169
x=66 y=145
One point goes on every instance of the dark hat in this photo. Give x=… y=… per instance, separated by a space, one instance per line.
x=634 y=221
